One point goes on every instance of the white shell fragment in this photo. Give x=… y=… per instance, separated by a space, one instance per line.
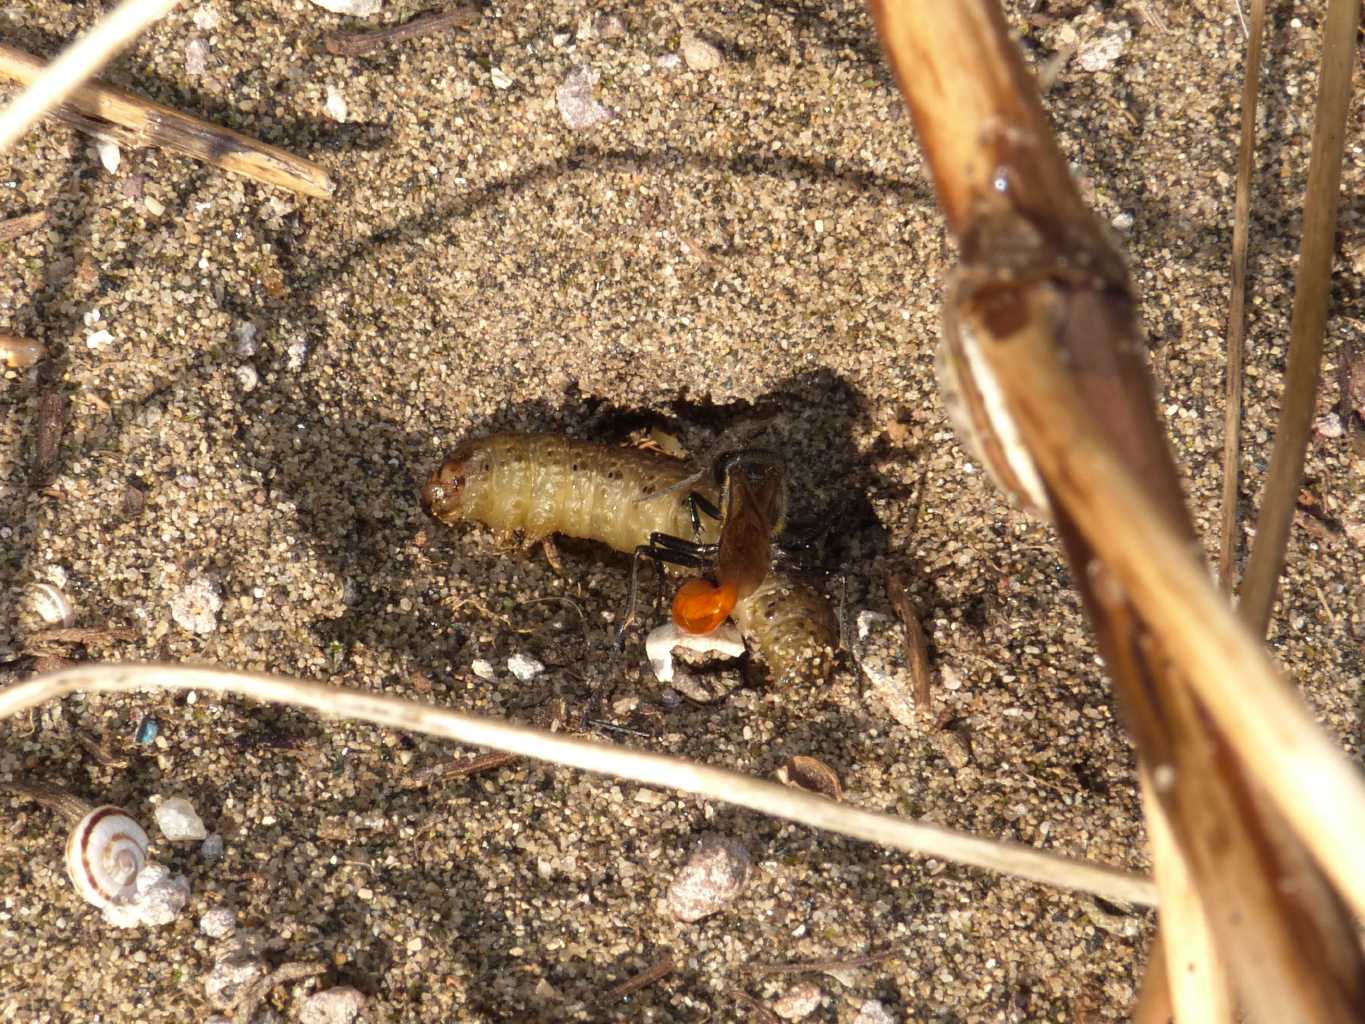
x=713 y=876
x=98 y=340
x=577 y=106
x=104 y=854
x=178 y=820
x=698 y=53
x=500 y=78
x=20 y=353
x=524 y=667
x=663 y=640
x=51 y=605
x=340 y=1005
x=196 y=607
x=110 y=155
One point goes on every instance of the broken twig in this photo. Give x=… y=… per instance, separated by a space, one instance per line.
x=357 y=44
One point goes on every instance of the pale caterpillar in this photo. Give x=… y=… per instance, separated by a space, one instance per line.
x=543 y=484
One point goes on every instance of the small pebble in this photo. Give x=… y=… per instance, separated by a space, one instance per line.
x=874 y=1012
x=196 y=56
x=483 y=669
x=99 y=340
x=879 y=649
x=218 y=922
x=340 y=1005
x=229 y=975
x=524 y=667
x=20 y=353
x=1329 y=426
x=952 y=747
x=609 y=26
x=698 y=53
x=247 y=343
x=668 y=62
x=713 y=876
x=501 y=79
x=1099 y=54
x=206 y=18
x=296 y=354
x=147 y=730
x=1122 y=221
x=212 y=847
x=799 y=1001
x=336 y=105
x=154 y=206
x=196 y=607
x=179 y=821
x=577 y=106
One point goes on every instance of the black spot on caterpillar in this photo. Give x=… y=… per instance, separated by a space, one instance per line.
x=542 y=484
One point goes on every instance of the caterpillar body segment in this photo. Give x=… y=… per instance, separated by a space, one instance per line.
x=790 y=627
x=543 y=484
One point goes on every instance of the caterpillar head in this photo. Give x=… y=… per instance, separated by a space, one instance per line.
x=443 y=493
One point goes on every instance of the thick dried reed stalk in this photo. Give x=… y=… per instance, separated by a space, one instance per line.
x=651 y=769
x=1040 y=324
x=78 y=62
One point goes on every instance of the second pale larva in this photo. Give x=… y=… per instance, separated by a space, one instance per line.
x=542 y=484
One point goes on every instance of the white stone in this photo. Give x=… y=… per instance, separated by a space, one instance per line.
x=698 y=53
x=247 y=342
x=501 y=79
x=196 y=56
x=355 y=8
x=483 y=669
x=577 y=106
x=99 y=339
x=218 y=923
x=296 y=354
x=196 y=607
x=340 y=1005
x=336 y=105
x=178 y=820
x=524 y=667
x=1099 y=54
x=874 y=1012
x=206 y=18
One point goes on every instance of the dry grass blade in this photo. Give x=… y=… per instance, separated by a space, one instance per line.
x=77 y=63
x=1196 y=981
x=651 y=769
x=357 y=44
x=102 y=110
x=1237 y=320
x=1309 y=322
x=1040 y=326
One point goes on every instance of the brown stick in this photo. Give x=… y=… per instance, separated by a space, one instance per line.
x=644 y=979
x=159 y=125
x=357 y=44
x=17 y=227
x=1308 y=324
x=1237 y=321
x=916 y=644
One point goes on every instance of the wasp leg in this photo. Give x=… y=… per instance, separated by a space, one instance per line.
x=662 y=549
x=696 y=505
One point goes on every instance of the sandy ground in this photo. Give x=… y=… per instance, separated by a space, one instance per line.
x=763 y=232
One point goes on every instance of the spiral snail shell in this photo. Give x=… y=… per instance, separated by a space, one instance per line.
x=104 y=854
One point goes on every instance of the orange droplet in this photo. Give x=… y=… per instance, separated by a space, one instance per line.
x=700 y=607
